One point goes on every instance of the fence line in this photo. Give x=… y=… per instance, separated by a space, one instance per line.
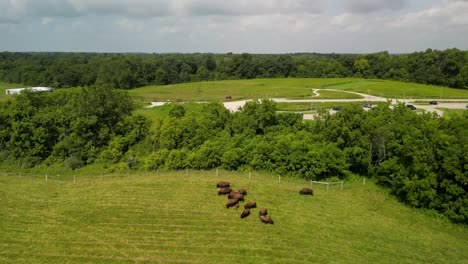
x=327 y=183
x=73 y=177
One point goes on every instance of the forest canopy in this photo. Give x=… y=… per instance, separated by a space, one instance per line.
x=127 y=71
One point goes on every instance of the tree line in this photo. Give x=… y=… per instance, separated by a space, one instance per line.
x=126 y=71
x=421 y=158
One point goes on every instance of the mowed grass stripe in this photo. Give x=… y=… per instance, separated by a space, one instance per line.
x=177 y=216
x=72 y=258
x=166 y=251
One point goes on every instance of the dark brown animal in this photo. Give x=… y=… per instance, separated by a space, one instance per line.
x=266 y=219
x=236 y=195
x=225 y=190
x=223 y=184
x=242 y=191
x=231 y=203
x=245 y=213
x=306 y=191
x=250 y=205
x=263 y=211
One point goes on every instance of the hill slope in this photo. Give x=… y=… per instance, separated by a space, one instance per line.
x=293 y=88
x=172 y=217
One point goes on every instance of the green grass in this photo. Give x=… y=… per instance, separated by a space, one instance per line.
x=450 y=113
x=171 y=217
x=291 y=88
x=400 y=90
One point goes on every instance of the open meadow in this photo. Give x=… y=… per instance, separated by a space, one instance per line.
x=178 y=218
x=293 y=88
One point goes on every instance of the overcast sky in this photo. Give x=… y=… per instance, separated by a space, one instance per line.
x=220 y=26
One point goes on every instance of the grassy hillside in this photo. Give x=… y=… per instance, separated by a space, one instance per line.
x=291 y=88
x=176 y=218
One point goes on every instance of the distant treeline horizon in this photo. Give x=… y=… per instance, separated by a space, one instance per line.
x=130 y=70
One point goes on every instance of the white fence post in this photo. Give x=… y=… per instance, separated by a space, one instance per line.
x=74 y=180
x=342 y=182
x=46 y=177
x=217 y=172
x=250 y=176
x=279 y=178
x=364 y=181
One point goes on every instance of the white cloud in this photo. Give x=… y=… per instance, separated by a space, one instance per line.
x=450 y=13
x=238 y=26
x=250 y=7
x=148 y=8
x=367 y=6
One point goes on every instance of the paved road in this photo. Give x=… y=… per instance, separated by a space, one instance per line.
x=234 y=106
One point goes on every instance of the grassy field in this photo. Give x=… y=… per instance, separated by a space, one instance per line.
x=449 y=113
x=294 y=88
x=177 y=218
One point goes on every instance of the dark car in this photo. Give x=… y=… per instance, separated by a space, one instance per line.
x=367 y=105
x=433 y=102
x=337 y=108
x=412 y=107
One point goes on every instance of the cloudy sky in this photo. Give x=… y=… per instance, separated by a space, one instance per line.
x=220 y=26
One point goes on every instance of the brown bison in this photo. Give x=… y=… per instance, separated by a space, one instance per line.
x=245 y=213
x=242 y=191
x=223 y=184
x=266 y=219
x=231 y=203
x=250 y=205
x=236 y=195
x=263 y=211
x=225 y=190
x=306 y=191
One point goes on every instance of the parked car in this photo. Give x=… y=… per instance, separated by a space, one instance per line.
x=433 y=102
x=367 y=105
x=337 y=108
x=412 y=107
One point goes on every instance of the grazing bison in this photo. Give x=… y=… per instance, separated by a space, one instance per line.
x=263 y=211
x=266 y=219
x=245 y=213
x=223 y=184
x=242 y=191
x=225 y=190
x=306 y=191
x=231 y=202
x=250 y=205
x=236 y=195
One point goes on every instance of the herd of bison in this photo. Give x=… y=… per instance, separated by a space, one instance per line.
x=234 y=197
